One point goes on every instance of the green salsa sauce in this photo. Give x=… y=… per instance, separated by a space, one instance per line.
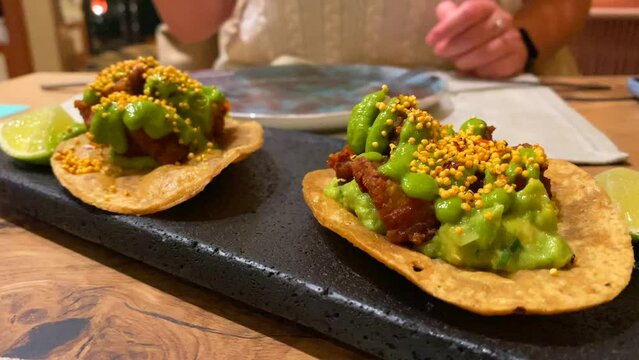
x=497 y=226
x=171 y=103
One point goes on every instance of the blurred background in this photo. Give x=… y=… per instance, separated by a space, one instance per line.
x=87 y=35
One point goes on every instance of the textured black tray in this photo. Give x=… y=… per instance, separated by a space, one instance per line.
x=250 y=236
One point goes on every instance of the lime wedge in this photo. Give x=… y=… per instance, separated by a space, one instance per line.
x=622 y=185
x=33 y=137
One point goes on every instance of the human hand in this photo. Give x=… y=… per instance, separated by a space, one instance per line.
x=479 y=37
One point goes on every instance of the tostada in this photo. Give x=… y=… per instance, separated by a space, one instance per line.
x=491 y=228
x=155 y=138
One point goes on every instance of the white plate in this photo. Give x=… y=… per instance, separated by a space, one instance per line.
x=305 y=97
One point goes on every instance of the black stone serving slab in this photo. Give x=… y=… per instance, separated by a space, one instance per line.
x=250 y=236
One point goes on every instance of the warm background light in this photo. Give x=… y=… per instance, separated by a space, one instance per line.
x=99 y=7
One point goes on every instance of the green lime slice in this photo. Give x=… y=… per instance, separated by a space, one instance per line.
x=33 y=137
x=622 y=185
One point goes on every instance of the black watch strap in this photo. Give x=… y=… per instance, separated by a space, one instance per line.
x=531 y=49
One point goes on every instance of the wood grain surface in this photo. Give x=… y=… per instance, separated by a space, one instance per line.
x=618 y=119
x=65 y=298
x=62 y=297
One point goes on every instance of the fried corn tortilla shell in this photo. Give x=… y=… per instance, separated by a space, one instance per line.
x=594 y=229
x=158 y=189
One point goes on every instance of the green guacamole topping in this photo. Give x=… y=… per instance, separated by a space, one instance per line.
x=353 y=199
x=171 y=102
x=90 y=97
x=111 y=121
x=494 y=211
x=134 y=162
x=525 y=237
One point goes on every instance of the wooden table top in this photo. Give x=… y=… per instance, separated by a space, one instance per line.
x=63 y=297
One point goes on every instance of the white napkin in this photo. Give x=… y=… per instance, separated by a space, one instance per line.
x=531 y=114
x=68 y=106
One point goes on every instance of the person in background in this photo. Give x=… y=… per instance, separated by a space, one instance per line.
x=483 y=38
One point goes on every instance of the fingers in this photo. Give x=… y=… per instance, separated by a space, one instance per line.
x=479 y=37
x=475 y=36
x=488 y=52
x=445 y=8
x=501 y=68
x=462 y=18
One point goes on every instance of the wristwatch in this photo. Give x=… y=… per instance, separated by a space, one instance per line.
x=531 y=49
